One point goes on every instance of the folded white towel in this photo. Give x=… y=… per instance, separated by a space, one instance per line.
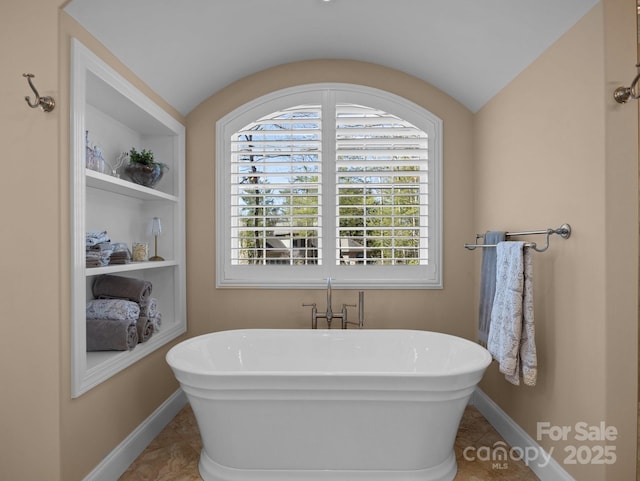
x=114 y=309
x=96 y=237
x=512 y=334
x=157 y=322
x=149 y=307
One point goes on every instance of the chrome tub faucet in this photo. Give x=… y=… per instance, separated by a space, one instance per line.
x=329 y=315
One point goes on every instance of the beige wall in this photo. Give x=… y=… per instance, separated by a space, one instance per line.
x=543 y=156
x=216 y=309
x=584 y=286
x=30 y=242
x=621 y=218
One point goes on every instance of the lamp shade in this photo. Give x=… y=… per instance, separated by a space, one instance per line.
x=156 y=226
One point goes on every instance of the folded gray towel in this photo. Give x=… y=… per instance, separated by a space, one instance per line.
x=115 y=309
x=108 y=287
x=144 y=326
x=110 y=335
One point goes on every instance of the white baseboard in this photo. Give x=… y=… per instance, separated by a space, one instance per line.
x=118 y=460
x=514 y=435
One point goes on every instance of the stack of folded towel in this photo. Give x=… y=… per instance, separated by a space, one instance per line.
x=149 y=309
x=98 y=249
x=111 y=325
x=122 y=307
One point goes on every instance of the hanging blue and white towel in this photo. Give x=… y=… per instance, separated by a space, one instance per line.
x=488 y=284
x=512 y=333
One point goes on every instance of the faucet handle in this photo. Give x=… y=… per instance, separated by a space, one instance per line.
x=309 y=305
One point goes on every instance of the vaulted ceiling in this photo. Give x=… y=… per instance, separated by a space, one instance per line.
x=187 y=50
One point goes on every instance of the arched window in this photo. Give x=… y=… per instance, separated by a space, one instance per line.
x=329 y=180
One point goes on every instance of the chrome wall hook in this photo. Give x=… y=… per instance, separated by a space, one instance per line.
x=623 y=94
x=47 y=104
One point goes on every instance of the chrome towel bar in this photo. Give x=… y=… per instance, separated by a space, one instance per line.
x=563 y=231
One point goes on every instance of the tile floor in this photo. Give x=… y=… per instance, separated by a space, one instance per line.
x=173 y=455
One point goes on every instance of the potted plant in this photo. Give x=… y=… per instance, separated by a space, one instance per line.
x=142 y=169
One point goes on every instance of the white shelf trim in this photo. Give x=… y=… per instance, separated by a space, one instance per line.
x=109 y=183
x=133 y=266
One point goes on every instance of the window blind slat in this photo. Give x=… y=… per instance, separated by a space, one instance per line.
x=276 y=194
x=381 y=188
x=381 y=185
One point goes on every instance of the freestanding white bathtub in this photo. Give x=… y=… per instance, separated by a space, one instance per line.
x=284 y=405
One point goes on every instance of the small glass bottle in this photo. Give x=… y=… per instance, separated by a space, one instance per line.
x=88 y=151
x=140 y=251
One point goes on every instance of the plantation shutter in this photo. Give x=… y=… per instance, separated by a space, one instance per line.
x=381 y=188
x=276 y=168
x=329 y=180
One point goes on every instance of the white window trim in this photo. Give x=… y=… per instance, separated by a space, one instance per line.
x=352 y=276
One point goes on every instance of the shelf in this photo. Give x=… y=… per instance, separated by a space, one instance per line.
x=101 y=365
x=119 y=116
x=132 y=266
x=115 y=185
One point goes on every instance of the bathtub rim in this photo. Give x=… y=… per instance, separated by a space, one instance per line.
x=482 y=365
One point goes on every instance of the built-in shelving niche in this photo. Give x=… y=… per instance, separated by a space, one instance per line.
x=118 y=117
